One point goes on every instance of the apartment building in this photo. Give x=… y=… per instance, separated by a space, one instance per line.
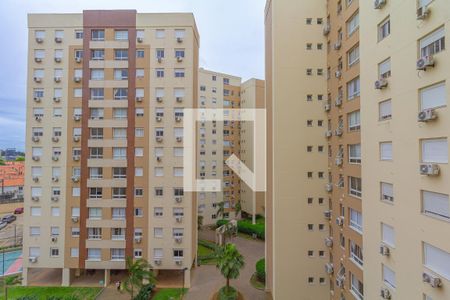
x=252 y=96
x=106 y=93
x=296 y=198
x=405 y=131
x=217 y=141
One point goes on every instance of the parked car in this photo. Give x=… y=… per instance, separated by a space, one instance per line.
x=9 y=218
x=3 y=224
x=18 y=211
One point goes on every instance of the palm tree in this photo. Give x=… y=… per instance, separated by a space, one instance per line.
x=237 y=208
x=229 y=262
x=139 y=271
x=221 y=209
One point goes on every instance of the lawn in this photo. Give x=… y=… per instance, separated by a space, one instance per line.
x=203 y=251
x=168 y=294
x=206 y=252
x=42 y=293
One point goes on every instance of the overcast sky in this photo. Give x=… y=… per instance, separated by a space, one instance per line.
x=231 y=37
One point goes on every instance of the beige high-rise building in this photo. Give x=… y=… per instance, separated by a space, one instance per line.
x=106 y=92
x=405 y=130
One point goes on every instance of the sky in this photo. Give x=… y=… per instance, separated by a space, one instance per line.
x=231 y=41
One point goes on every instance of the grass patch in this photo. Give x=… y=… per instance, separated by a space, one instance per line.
x=42 y=293
x=245 y=226
x=168 y=294
x=254 y=281
x=206 y=252
x=203 y=251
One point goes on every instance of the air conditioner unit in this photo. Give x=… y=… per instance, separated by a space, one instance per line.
x=338 y=132
x=423 y=12
x=340 y=221
x=179 y=139
x=158 y=158
x=159 y=99
x=35 y=178
x=339 y=161
x=178 y=119
x=338 y=101
x=139 y=99
x=157 y=262
x=75 y=178
x=55 y=198
x=58 y=39
x=179 y=219
x=159 y=139
x=179 y=58
x=178 y=239
x=35 y=158
x=37 y=99
x=179 y=262
x=327 y=107
x=338 y=74
x=326 y=29
x=32 y=259
x=55 y=139
x=38 y=118
x=328 y=133
x=138 y=240
x=75 y=219
x=327 y=214
x=329 y=187
x=55 y=157
x=35 y=139
x=39 y=40
x=140 y=40
x=385 y=293
x=37 y=79
x=57 y=99
x=425 y=62
x=179 y=39
x=58 y=59
x=78 y=60
x=433 y=280
x=178 y=199
x=329 y=242
x=77 y=79
x=55 y=178
x=158 y=119
x=337 y=45
x=54 y=239
x=76 y=157
x=329 y=268
x=38 y=59
x=76 y=138
x=35 y=198
x=429 y=169
x=381 y=84
x=340 y=281
x=179 y=99
x=427 y=115
x=77 y=117
x=378 y=4
x=160 y=59
x=384 y=250
x=57 y=79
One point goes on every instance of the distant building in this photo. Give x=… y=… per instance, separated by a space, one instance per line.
x=11 y=154
x=11 y=180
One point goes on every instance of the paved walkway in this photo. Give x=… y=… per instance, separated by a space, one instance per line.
x=111 y=293
x=206 y=279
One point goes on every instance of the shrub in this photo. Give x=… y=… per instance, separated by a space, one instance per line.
x=28 y=298
x=246 y=226
x=228 y=293
x=221 y=222
x=261 y=270
x=145 y=292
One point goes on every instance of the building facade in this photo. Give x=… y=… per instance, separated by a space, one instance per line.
x=106 y=92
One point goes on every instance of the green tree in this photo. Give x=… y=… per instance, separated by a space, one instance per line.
x=221 y=209
x=229 y=262
x=20 y=158
x=140 y=273
x=237 y=208
x=2 y=162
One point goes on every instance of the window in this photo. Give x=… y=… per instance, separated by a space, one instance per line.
x=98 y=35
x=353 y=24
x=356 y=286
x=95 y=173
x=387 y=192
x=79 y=34
x=436 y=205
x=75 y=232
x=120 y=54
x=354 y=122
x=97 y=74
x=94 y=254
x=158 y=232
x=437 y=260
x=120 y=74
x=355 y=186
x=77 y=92
x=140 y=73
x=95 y=193
x=119 y=153
x=432 y=43
x=177 y=172
x=121 y=35
x=385 y=110
x=179 y=73
x=308 y=46
x=94 y=233
x=353 y=56
x=179 y=33
x=34 y=252
x=308 y=21
x=95 y=213
x=159 y=73
x=139 y=112
x=353 y=88
x=35 y=231
x=388 y=234
x=139 y=152
x=139 y=132
x=140 y=53
x=354 y=154
x=120 y=113
x=159 y=53
x=118 y=213
x=98 y=54
x=384 y=29
x=97 y=94
x=160 y=33
x=356 y=253
x=119 y=193
x=138 y=172
x=433 y=97
x=117 y=254
x=178 y=253
x=179 y=53
x=137 y=253
x=435 y=151
x=386 y=151
x=158 y=211
x=384 y=69
x=356 y=220
x=120 y=94
x=35 y=211
x=178 y=152
x=159 y=171
x=389 y=276
x=74 y=252
x=119 y=133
